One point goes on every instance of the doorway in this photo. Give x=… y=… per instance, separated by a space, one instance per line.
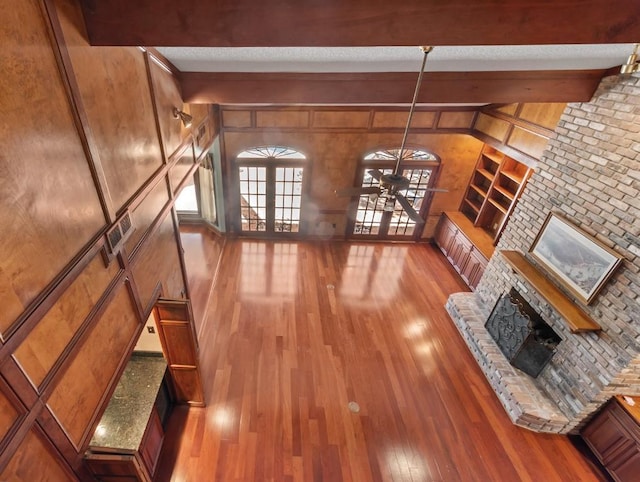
x=271 y=184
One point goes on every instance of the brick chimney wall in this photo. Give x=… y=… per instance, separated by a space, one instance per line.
x=590 y=173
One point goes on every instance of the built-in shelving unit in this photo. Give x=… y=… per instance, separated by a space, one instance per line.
x=494 y=188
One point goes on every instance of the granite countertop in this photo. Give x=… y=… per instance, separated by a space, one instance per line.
x=124 y=421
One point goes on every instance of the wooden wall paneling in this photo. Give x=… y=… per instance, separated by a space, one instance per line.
x=508 y=109
x=180 y=346
x=117 y=100
x=492 y=126
x=59 y=438
x=186 y=292
x=159 y=261
x=19 y=382
x=182 y=165
x=43 y=345
x=528 y=142
x=384 y=119
x=166 y=97
x=456 y=120
x=145 y=214
x=47 y=298
x=341 y=119
x=55 y=209
x=36 y=459
x=545 y=115
x=11 y=412
x=66 y=67
x=357 y=23
x=205 y=133
x=199 y=112
x=236 y=118
x=299 y=118
x=78 y=393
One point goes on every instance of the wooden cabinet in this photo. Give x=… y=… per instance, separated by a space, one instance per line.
x=493 y=190
x=463 y=245
x=152 y=442
x=129 y=436
x=614 y=437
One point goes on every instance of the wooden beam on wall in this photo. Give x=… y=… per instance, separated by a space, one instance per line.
x=389 y=88
x=359 y=22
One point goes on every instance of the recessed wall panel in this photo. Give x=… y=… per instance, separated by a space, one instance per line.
x=50 y=204
x=77 y=395
x=46 y=342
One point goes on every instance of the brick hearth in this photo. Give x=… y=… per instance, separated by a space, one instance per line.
x=527 y=404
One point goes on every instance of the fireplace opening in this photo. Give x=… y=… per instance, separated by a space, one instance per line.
x=524 y=338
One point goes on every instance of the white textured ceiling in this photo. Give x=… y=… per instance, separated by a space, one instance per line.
x=396 y=59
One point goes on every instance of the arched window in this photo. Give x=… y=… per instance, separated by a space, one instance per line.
x=270 y=185
x=378 y=217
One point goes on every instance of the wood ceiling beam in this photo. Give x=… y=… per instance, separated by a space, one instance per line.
x=389 y=88
x=359 y=22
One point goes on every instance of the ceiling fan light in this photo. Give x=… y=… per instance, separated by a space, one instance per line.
x=389 y=204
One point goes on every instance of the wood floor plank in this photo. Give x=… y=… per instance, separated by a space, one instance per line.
x=293 y=332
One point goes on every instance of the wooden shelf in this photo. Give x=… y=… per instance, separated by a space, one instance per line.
x=513 y=175
x=487 y=174
x=506 y=193
x=479 y=190
x=500 y=207
x=472 y=205
x=577 y=320
x=493 y=157
x=494 y=187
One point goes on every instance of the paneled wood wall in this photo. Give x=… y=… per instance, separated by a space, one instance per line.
x=519 y=130
x=87 y=134
x=335 y=140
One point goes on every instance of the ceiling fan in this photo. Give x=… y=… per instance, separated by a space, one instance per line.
x=390 y=185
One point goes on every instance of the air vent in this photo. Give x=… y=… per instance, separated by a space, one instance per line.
x=115 y=237
x=125 y=223
x=119 y=232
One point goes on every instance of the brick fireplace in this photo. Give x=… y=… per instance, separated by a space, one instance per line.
x=590 y=173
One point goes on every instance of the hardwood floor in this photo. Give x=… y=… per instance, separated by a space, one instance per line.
x=294 y=332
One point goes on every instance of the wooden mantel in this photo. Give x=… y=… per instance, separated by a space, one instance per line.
x=576 y=318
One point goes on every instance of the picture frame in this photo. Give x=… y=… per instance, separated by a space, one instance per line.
x=578 y=261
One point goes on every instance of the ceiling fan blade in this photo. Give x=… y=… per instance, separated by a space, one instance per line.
x=408 y=208
x=374 y=173
x=356 y=191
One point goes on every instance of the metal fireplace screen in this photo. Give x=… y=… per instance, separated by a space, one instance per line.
x=522 y=335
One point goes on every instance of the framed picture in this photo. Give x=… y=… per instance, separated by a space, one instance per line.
x=577 y=260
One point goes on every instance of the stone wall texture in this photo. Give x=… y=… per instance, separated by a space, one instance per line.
x=590 y=174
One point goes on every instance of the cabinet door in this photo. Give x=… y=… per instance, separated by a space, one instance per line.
x=152 y=442
x=608 y=436
x=180 y=347
x=444 y=235
x=474 y=268
x=629 y=469
x=460 y=249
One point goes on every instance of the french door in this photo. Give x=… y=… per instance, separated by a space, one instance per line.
x=271 y=190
